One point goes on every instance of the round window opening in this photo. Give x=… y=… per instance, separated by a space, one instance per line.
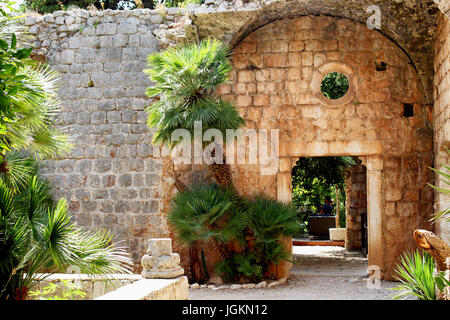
x=334 y=85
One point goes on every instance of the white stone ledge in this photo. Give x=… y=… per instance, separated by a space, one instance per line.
x=83 y=276
x=151 y=289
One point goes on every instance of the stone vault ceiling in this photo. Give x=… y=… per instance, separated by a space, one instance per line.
x=410 y=23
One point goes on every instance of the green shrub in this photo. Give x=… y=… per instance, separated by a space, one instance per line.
x=246 y=266
x=28 y=98
x=204 y=213
x=334 y=85
x=68 y=290
x=37 y=236
x=415 y=272
x=268 y=220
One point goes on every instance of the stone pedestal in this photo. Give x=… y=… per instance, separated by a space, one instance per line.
x=160 y=262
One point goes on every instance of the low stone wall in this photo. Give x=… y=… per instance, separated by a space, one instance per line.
x=93 y=287
x=121 y=287
x=151 y=289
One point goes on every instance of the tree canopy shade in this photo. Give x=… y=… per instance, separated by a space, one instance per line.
x=313 y=179
x=330 y=170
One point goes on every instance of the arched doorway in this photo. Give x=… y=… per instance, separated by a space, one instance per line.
x=278 y=70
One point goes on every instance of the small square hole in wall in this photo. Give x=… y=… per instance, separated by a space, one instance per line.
x=380 y=66
x=408 y=110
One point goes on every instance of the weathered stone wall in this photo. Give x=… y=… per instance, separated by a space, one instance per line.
x=355 y=205
x=441 y=116
x=110 y=178
x=274 y=86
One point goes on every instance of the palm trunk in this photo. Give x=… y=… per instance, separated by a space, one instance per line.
x=196 y=265
x=222 y=174
x=180 y=185
x=3 y=165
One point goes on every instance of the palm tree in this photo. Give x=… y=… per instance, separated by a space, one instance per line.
x=205 y=213
x=185 y=78
x=28 y=99
x=37 y=236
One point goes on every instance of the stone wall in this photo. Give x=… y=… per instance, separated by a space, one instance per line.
x=274 y=85
x=92 y=287
x=441 y=116
x=355 y=205
x=110 y=178
x=410 y=23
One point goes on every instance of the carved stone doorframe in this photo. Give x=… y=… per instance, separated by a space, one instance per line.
x=370 y=152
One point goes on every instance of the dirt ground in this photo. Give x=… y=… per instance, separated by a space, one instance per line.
x=305 y=287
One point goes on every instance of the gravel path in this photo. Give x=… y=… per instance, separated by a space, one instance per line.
x=306 y=287
x=318 y=273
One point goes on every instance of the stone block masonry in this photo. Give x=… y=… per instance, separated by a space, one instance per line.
x=441 y=116
x=356 y=205
x=109 y=178
x=274 y=86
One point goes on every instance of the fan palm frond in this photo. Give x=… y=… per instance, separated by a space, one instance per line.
x=443 y=215
x=204 y=213
x=29 y=101
x=185 y=78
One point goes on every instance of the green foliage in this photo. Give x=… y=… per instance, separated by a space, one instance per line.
x=70 y=291
x=268 y=220
x=11 y=6
x=49 y=6
x=313 y=179
x=330 y=170
x=206 y=213
x=37 y=235
x=415 y=273
x=28 y=99
x=443 y=215
x=334 y=85
x=247 y=265
x=185 y=78
x=441 y=282
x=179 y=3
